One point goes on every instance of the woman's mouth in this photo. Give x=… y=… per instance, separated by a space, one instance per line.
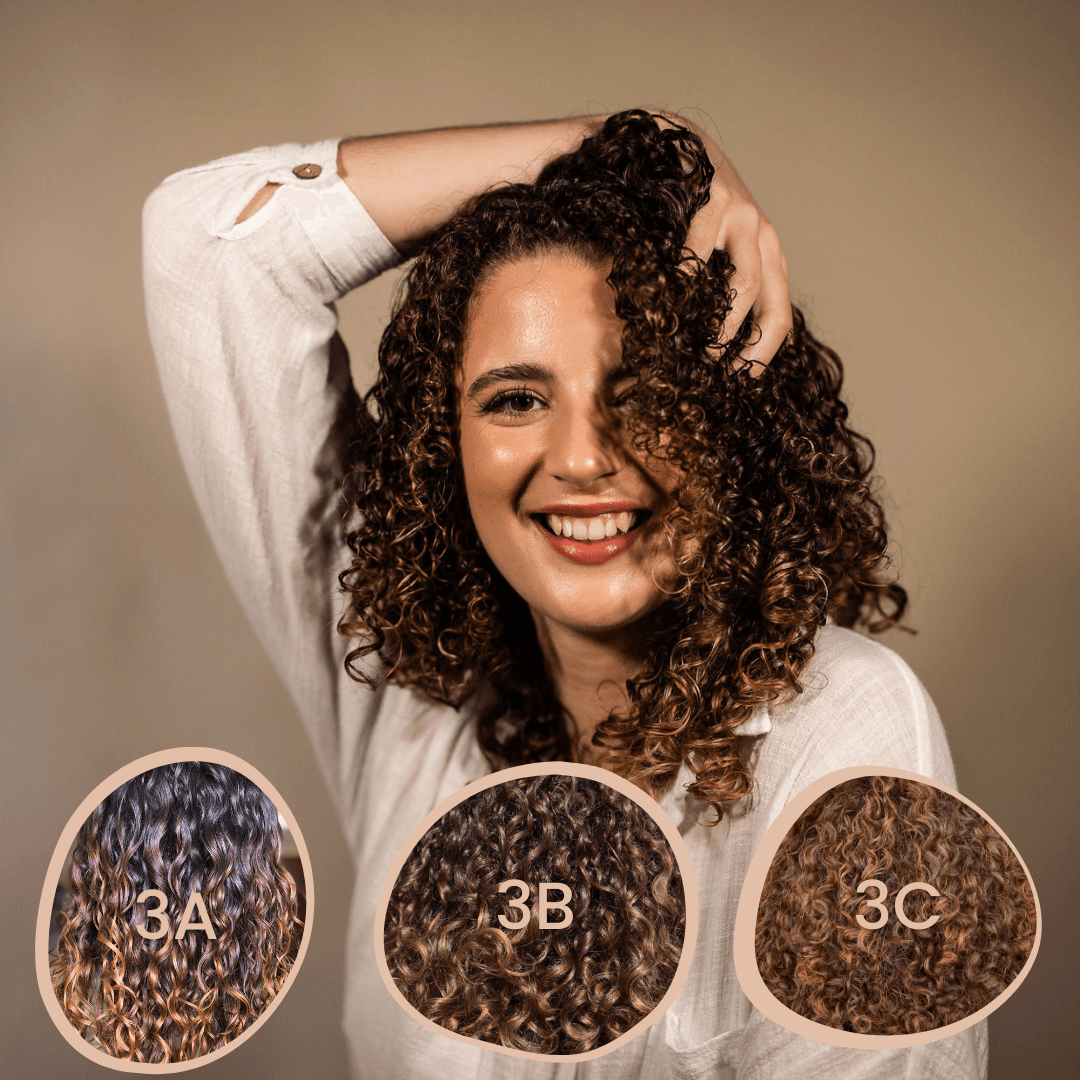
x=594 y=538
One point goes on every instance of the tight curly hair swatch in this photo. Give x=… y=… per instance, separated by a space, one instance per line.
x=892 y=907
x=566 y=981
x=183 y=925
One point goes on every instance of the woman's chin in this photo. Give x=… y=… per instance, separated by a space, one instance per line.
x=595 y=596
x=598 y=617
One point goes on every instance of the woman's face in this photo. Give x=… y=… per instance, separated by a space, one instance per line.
x=568 y=513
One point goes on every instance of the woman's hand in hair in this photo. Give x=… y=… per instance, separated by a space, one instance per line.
x=733 y=221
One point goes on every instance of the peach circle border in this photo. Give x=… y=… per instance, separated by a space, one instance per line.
x=746 y=923
x=552 y=768
x=85 y=809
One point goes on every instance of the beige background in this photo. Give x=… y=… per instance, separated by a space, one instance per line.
x=920 y=162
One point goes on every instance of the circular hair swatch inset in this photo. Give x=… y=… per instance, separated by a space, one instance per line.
x=174 y=912
x=548 y=912
x=890 y=909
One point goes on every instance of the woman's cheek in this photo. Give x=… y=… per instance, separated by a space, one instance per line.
x=493 y=464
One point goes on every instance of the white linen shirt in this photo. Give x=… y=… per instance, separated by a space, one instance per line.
x=243 y=325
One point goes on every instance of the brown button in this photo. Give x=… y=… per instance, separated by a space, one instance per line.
x=307 y=172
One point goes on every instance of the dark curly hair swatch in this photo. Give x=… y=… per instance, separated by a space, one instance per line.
x=775 y=523
x=567 y=987
x=893 y=907
x=183 y=925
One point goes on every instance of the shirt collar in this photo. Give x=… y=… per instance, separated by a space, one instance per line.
x=759 y=723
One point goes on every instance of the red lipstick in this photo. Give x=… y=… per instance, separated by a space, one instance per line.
x=590 y=553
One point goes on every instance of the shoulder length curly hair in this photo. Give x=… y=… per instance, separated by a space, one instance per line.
x=818 y=960
x=549 y=991
x=192 y=826
x=775 y=496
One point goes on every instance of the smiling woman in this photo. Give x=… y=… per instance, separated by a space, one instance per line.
x=588 y=516
x=566 y=350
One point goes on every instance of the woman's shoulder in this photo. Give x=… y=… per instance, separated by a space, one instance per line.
x=850 y=664
x=861 y=705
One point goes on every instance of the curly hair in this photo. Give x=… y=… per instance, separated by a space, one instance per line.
x=816 y=958
x=192 y=826
x=548 y=991
x=776 y=495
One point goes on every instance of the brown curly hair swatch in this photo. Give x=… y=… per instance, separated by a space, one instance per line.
x=881 y=976
x=184 y=828
x=555 y=990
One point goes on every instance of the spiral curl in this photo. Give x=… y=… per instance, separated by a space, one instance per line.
x=774 y=526
x=549 y=991
x=820 y=962
x=190 y=826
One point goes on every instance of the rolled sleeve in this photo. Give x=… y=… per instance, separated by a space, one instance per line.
x=257 y=383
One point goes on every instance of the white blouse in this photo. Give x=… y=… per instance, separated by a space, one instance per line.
x=243 y=325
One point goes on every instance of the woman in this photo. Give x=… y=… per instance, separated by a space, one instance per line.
x=584 y=529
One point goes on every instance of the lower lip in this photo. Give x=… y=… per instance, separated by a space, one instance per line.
x=586 y=553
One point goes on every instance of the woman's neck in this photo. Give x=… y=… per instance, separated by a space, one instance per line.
x=588 y=672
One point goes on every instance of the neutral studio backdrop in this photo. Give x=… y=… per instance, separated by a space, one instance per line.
x=921 y=164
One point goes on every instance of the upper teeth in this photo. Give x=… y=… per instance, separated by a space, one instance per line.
x=592 y=528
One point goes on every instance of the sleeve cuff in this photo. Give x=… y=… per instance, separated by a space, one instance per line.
x=352 y=247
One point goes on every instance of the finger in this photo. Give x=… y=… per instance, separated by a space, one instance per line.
x=704 y=229
x=772 y=313
x=744 y=252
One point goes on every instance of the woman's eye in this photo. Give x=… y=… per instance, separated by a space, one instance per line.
x=514 y=403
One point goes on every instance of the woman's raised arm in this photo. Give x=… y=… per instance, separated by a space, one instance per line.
x=412 y=183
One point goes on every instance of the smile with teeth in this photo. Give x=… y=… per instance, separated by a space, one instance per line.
x=592 y=529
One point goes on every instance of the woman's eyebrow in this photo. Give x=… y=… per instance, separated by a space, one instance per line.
x=510 y=373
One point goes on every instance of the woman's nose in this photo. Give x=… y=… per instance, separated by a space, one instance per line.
x=583 y=447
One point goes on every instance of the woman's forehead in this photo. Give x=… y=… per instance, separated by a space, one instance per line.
x=554 y=310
